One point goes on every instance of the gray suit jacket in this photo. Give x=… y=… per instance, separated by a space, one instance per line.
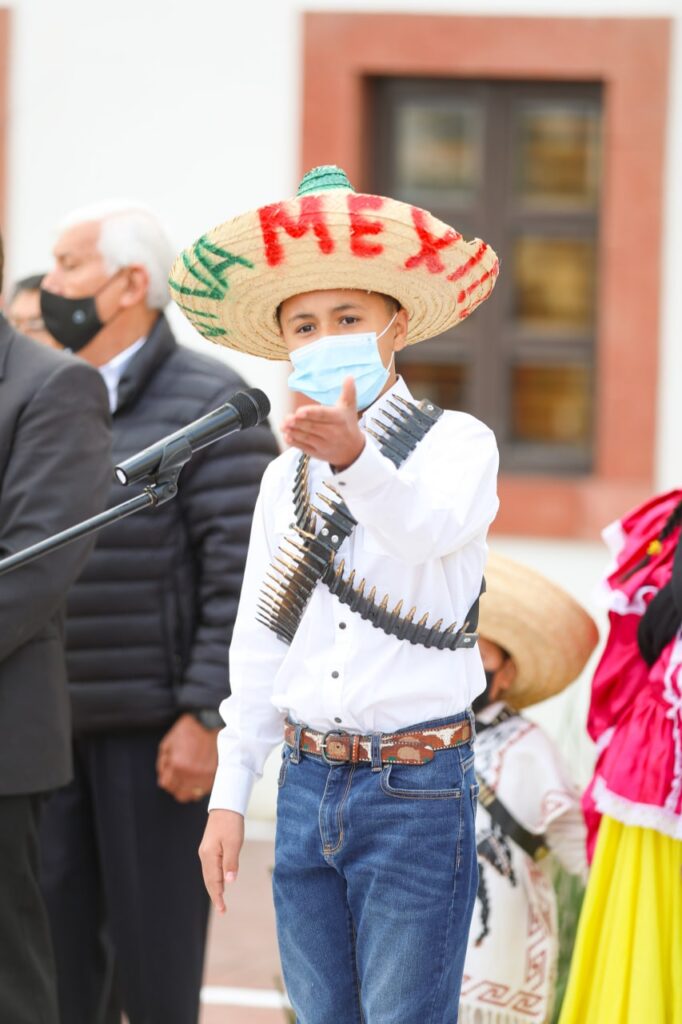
x=55 y=470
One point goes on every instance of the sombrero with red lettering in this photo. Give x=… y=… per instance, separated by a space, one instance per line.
x=547 y=632
x=231 y=282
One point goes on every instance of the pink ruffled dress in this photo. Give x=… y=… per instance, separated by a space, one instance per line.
x=635 y=714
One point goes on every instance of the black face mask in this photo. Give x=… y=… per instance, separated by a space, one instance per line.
x=483 y=699
x=73 y=322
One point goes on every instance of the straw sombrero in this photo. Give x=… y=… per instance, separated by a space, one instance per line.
x=231 y=281
x=547 y=633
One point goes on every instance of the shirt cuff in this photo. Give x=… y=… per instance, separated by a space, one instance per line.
x=370 y=471
x=232 y=789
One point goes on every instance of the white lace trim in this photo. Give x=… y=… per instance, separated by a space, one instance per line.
x=621 y=604
x=609 y=597
x=630 y=813
x=605 y=739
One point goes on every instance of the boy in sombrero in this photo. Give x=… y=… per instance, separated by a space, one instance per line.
x=534 y=639
x=355 y=639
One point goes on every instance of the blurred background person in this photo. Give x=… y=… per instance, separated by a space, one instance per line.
x=54 y=470
x=148 y=628
x=534 y=640
x=24 y=313
x=627 y=965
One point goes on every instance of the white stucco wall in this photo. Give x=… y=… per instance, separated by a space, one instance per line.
x=194 y=110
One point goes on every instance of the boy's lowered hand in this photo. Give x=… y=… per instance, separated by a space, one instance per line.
x=219 y=853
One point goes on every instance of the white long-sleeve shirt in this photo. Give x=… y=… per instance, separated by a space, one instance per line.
x=421 y=537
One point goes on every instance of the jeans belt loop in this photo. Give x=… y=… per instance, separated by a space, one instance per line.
x=376 y=752
x=296 y=749
x=472 y=724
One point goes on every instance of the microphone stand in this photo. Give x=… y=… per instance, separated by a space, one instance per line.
x=163 y=488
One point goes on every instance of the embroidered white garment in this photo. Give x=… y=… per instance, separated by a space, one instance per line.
x=420 y=538
x=510 y=968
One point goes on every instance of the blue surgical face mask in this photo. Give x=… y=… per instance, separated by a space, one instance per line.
x=321 y=367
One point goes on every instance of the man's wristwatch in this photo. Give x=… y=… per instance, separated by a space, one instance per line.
x=208 y=717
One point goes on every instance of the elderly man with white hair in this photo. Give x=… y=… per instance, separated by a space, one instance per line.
x=148 y=628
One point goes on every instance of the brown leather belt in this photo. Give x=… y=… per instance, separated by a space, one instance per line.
x=416 y=747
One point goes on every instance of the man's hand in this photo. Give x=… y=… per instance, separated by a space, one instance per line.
x=219 y=853
x=329 y=433
x=187 y=759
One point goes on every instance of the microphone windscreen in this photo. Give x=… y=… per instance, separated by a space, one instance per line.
x=253 y=406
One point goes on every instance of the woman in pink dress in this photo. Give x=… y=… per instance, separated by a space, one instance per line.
x=627 y=965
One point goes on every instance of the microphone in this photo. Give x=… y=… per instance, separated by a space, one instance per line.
x=245 y=409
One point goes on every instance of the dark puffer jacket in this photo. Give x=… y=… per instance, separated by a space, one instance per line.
x=150 y=620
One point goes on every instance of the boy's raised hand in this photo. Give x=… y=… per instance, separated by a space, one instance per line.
x=330 y=433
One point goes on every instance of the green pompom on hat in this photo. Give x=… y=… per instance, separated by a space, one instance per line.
x=324 y=179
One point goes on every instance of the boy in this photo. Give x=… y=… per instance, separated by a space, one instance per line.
x=355 y=633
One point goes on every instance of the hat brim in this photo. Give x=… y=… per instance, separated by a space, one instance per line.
x=547 y=633
x=231 y=282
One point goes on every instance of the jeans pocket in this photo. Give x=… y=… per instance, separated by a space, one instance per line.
x=439 y=779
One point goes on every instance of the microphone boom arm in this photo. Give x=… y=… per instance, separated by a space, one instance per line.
x=160 y=462
x=152 y=496
x=163 y=488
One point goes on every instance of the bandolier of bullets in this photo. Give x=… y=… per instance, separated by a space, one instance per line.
x=302 y=559
x=392 y=622
x=307 y=558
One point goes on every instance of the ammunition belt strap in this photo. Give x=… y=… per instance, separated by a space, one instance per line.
x=534 y=845
x=392 y=622
x=297 y=570
x=307 y=558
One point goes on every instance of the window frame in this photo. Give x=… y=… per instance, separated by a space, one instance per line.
x=496 y=217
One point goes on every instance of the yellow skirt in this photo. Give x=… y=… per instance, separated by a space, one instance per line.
x=627 y=962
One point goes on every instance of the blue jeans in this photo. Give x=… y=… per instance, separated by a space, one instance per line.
x=375 y=882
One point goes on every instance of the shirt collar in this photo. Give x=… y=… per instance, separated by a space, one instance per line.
x=398 y=390
x=113 y=370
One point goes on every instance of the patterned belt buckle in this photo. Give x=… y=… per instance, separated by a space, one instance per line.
x=337 y=749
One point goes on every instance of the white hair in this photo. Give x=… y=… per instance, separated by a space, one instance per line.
x=130 y=234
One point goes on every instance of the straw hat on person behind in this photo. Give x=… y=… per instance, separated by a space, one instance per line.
x=547 y=633
x=231 y=282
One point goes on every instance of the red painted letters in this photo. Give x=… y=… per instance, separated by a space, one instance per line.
x=430 y=244
x=470 y=263
x=490 y=276
x=274 y=218
x=360 y=225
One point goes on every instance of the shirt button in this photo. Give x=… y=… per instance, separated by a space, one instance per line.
x=338 y=721
x=342 y=625
x=335 y=675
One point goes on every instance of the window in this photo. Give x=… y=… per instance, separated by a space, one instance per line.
x=518 y=164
